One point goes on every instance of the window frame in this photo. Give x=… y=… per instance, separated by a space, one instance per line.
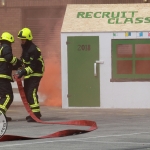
x=127 y=77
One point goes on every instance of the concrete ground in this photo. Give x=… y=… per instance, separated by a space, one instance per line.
x=118 y=129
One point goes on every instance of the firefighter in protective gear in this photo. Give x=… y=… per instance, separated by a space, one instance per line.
x=33 y=70
x=7 y=63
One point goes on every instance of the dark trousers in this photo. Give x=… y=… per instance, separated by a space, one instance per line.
x=31 y=88
x=6 y=94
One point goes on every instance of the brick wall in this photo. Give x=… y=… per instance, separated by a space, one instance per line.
x=27 y=3
x=11 y=22
x=12 y=18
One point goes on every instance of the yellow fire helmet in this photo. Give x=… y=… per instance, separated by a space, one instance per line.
x=25 y=33
x=7 y=36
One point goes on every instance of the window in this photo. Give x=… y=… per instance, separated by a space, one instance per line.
x=131 y=60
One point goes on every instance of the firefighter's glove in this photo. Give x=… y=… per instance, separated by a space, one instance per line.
x=17 y=65
x=21 y=73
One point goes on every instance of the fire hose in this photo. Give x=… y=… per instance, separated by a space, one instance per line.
x=91 y=124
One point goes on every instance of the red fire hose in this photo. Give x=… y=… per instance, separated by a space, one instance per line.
x=91 y=124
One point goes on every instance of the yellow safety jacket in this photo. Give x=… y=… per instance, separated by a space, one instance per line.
x=7 y=61
x=32 y=60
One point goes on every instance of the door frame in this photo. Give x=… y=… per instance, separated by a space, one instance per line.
x=64 y=66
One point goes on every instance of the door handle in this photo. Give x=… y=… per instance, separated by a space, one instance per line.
x=95 y=64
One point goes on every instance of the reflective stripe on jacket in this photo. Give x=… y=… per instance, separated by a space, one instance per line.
x=7 y=60
x=32 y=60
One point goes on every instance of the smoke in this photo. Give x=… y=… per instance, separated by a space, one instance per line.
x=46 y=33
x=50 y=85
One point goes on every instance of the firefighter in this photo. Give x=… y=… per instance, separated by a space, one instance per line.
x=7 y=62
x=33 y=70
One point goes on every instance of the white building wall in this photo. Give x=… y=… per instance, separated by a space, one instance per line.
x=120 y=94
x=17 y=97
x=112 y=94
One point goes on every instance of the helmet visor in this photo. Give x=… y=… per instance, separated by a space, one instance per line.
x=21 y=36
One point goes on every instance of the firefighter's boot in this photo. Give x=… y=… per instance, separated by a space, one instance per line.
x=30 y=119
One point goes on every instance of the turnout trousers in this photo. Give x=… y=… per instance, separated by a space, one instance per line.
x=6 y=94
x=31 y=88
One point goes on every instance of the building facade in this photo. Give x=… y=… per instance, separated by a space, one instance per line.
x=44 y=17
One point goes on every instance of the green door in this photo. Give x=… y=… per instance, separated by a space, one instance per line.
x=83 y=86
